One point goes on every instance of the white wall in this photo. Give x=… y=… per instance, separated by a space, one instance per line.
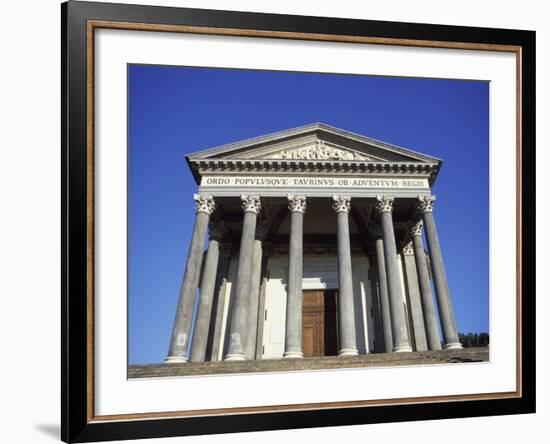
x=29 y=226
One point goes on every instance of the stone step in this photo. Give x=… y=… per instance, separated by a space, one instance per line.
x=474 y=354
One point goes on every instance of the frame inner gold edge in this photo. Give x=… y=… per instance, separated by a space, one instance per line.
x=300 y=407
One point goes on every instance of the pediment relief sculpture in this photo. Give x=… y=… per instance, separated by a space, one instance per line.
x=317 y=151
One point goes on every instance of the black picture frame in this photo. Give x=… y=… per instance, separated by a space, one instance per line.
x=77 y=424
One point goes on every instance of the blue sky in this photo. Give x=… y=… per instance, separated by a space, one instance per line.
x=177 y=110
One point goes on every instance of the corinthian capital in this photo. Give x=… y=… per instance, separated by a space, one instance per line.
x=414 y=229
x=251 y=203
x=297 y=203
x=384 y=204
x=204 y=203
x=425 y=204
x=408 y=248
x=341 y=203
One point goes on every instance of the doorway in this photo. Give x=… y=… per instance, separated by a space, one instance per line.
x=320 y=323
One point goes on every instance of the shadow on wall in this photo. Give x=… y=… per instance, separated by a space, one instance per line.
x=51 y=430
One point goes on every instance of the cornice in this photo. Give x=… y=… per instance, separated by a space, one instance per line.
x=202 y=166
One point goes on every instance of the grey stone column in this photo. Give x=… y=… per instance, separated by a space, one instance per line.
x=254 y=294
x=384 y=207
x=206 y=295
x=376 y=233
x=266 y=250
x=413 y=293
x=444 y=303
x=346 y=311
x=236 y=350
x=216 y=325
x=428 y=309
x=379 y=346
x=179 y=343
x=293 y=332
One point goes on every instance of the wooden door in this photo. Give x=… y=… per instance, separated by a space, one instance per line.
x=319 y=323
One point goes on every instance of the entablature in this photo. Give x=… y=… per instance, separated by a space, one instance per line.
x=276 y=168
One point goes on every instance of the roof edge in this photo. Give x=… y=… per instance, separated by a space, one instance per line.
x=221 y=149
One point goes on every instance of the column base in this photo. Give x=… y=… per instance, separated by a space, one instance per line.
x=402 y=348
x=176 y=360
x=352 y=351
x=453 y=346
x=235 y=357
x=293 y=354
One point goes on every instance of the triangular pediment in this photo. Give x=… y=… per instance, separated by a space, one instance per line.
x=316 y=142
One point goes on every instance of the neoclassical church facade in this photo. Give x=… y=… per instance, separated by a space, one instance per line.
x=312 y=242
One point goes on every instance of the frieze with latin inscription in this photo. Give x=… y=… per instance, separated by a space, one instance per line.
x=309 y=182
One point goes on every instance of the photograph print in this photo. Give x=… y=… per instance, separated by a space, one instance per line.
x=297 y=221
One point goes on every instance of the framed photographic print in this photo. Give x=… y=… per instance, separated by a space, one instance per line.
x=278 y=221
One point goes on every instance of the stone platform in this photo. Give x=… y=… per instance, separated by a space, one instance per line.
x=477 y=354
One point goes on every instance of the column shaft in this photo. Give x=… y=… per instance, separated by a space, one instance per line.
x=202 y=321
x=384 y=297
x=239 y=321
x=179 y=342
x=428 y=309
x=395 y=290
x=415 y=305
x=293 y=331
x=346 y=310
x=444 y=303
x=220 y=299
x=375 y=307
x=254 y=296
x=261 y=304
